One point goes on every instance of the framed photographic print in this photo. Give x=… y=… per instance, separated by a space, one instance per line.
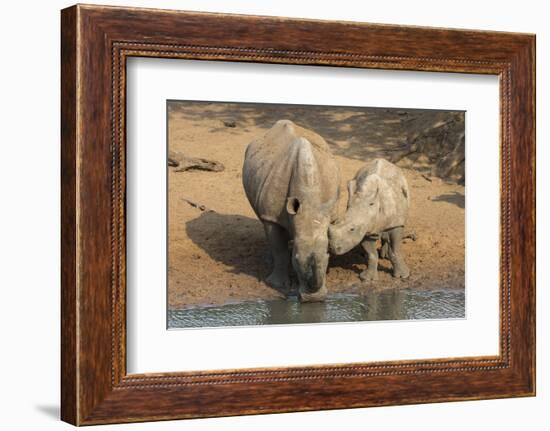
x=264 y=215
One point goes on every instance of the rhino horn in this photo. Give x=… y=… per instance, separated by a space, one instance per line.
x=306 y=176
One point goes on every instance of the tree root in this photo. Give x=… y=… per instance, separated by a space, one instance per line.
x=435 y=149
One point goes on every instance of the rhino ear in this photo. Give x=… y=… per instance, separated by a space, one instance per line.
x=292 y=205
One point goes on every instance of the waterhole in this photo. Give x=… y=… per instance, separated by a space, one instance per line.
x=394 y=304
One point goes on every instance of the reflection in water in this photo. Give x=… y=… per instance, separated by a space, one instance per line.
x=403 y=304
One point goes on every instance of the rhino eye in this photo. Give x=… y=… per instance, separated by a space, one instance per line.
x=371 y=204
x=352 y=229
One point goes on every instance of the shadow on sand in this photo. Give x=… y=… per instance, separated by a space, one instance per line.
x=356 y=133
x=238 y=241
x=455 y=198
x=235 y=240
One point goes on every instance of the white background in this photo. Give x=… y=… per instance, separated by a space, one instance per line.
x=29 y=215
x=151 y=348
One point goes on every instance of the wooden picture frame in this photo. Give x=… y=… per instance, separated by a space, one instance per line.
x=95 y=43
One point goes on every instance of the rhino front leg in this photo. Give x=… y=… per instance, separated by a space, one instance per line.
x=277 y=238
x=371 y=273
x=400 y=268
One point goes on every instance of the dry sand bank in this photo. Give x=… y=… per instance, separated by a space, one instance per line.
x=221 y=255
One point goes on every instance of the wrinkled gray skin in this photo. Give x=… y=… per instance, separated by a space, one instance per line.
x=291 y=180
x=378 y=205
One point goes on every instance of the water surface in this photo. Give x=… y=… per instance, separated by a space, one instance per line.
x=394 y=304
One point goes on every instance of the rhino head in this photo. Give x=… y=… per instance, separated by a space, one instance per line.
x=360 y=217
x=309 y=217
x=309 y=222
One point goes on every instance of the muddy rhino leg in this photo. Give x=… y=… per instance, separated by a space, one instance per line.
x=277 y=237
x=385 y=249
x=400 y=268
x=371 y=273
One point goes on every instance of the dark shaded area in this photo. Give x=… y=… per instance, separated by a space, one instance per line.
x=244 y=250
x=423 y=139
x=436 y=146
x=455 y=198
x=355 y=257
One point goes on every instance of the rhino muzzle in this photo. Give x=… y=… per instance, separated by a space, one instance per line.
x=311 y=274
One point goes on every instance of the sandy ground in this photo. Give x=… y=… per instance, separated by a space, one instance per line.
x=220 y=255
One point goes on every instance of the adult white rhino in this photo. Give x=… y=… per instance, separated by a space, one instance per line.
x=292 y=182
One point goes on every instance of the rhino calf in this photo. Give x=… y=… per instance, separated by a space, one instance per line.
x=378 y=206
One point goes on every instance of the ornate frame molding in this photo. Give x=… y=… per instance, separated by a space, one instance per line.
x=96 y=41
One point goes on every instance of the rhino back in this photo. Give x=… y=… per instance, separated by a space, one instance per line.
x=269 y=165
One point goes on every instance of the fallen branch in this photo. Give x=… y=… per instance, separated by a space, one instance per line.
x=230 y=123
x=198 y=206
x=182 y=163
